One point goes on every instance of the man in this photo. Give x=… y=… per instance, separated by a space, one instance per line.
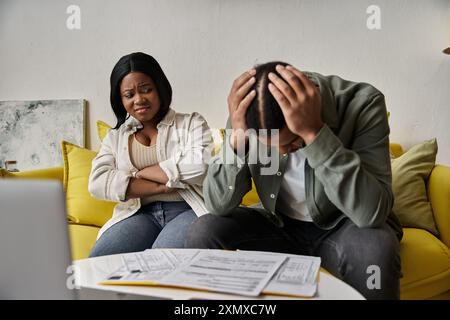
x=330 y=195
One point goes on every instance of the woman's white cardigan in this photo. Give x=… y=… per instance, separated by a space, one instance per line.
x=184 y=147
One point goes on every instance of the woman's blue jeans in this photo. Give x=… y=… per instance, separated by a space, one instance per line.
x=155 y=225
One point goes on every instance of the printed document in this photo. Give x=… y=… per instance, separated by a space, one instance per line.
x=297 y=276
x=247 y=273
x=150 y=265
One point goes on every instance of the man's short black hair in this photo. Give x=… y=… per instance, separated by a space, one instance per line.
x=264 y=112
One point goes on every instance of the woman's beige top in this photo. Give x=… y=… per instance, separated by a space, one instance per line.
x=143 y=156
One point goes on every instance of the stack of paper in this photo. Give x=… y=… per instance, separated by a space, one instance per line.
x=298 y=276
x=239 y=272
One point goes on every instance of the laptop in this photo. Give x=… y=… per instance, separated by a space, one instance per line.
x=35 y=258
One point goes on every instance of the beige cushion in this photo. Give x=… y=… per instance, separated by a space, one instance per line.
x=410 y=173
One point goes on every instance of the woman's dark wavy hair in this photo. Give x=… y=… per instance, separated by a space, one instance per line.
x=264 y=111
x=139 y=62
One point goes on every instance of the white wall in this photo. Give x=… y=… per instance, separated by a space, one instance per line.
x=204 y=44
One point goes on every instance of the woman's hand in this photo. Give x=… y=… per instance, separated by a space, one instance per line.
x=239 y=100
x=153 y=173
x=139 y=188
x=299 y=100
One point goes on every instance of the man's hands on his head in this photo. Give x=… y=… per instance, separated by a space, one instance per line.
x=239 y=100
x=299 y=100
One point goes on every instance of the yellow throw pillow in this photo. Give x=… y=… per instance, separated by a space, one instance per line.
x=82 y=208
x=396 y=150
x=410 y=173
x=102 y=129
x=251 y=197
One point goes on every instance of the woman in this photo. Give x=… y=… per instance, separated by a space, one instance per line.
x=152 y=162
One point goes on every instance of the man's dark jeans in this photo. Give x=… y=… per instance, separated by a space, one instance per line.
x=350 y=253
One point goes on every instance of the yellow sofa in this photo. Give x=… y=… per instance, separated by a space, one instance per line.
x=425 y=258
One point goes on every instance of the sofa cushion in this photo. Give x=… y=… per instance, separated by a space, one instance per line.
x=102 y=129
x=82 y=239
x=410 y=173
x=81 y=206
x=396 y=150
x=425 y=265
x=55 y=173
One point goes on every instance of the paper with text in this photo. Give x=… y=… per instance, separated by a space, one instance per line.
x=297 y=276
x=244 y=273
x=150 y=265
x=240 y=272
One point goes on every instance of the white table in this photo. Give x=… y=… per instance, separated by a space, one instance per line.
x=88 y=272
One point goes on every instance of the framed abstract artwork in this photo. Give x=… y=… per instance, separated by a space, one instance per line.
x=31 y=131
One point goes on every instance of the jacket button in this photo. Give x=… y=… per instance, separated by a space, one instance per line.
x=230 y=187
x=272 y=196
x=278 y=173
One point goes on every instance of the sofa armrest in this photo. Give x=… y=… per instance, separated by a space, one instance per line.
x=55 y=173
x=439 y=195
